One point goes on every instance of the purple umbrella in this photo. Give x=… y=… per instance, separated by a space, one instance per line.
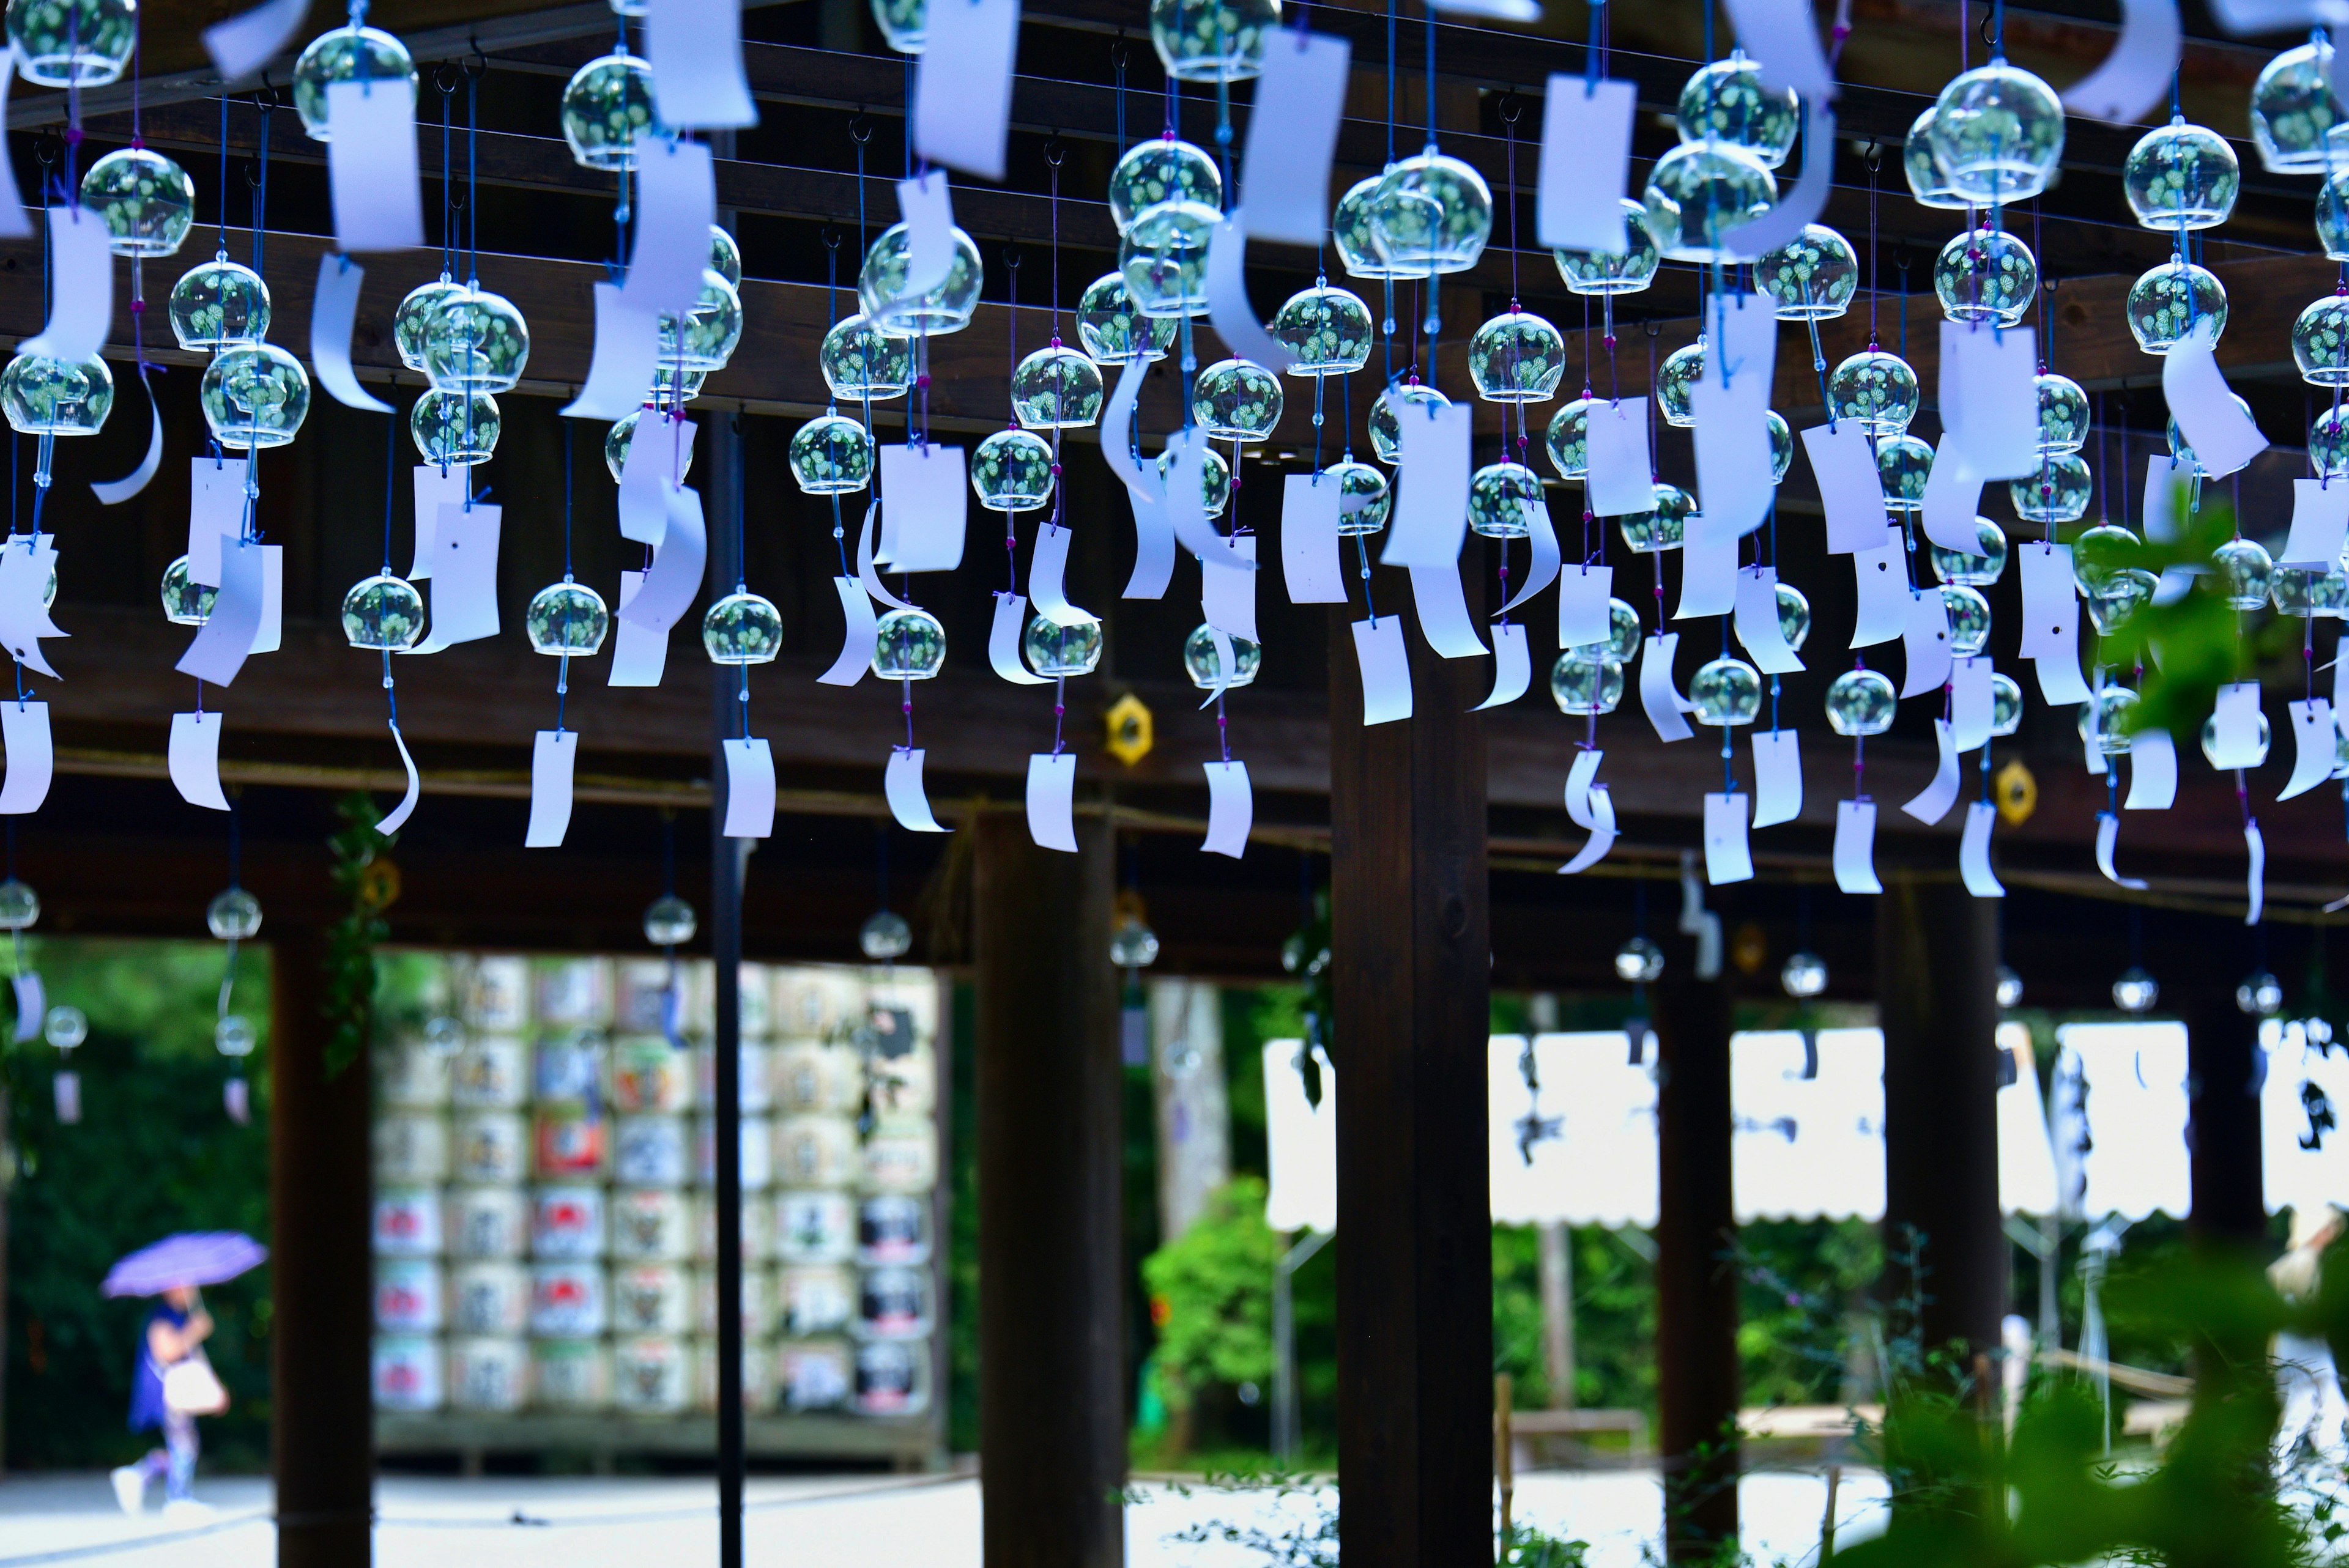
x=191 y=1258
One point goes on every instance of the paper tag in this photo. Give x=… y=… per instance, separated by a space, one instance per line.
x=25 y=732
x=1932 y=803
x=1622 y=478
x=1987 y=400
x=1708 y=579
x=2060 y=683
x=2320 y=520
x=2108 y=828
x=923 y=506
x=1973 y=703
x=1881 y=579
x=1046 y=567
x=1925 y=638
x=194 y=759
x=215 y=507
x=1227 y=593
x=927 y=207
x=750 y=789
x=1799 y=206
x=251 y=39
x=1385 y=669
x=1584 y=597
x=1854 y=846
x=1728 y=858
x=1586 y=160
x=1228 y=307
x=1431 y=510
x=114 y=492
x=1851 y=492
x=2311 y=728
x=1973 y=852
x=1777 y=777
x=2051 y=605
x=1051 y=795
x=1292 y=135
x=1948 y=511
x=371 y=173
x=396 y=818
x=1579 y=780
x=1783 y=40
x=270 y=633
x=1602 y=807
x=2235 y=738
x=552 y=757
x=2153 y=771
x=465 y=575
x=1231 y=809
x=1308 y=540
x=695 y=50
x=435 y=487
x=909 y=803
x=1443 y=605
x=962 y=108
x=2255 y=873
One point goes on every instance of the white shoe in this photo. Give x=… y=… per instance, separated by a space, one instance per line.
x=187 y=1510
x=129 y=1487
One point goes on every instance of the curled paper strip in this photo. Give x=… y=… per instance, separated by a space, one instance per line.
x=626 y=355
x=1657 y=694
x=194 y=759
x=1003 y=639
x=32 y=759
x=858 y=635
x=222 y=642
x=1227 y=663
x=399 y=815
x=1851 y=491
x=553 y=756
x=1046 y=568
x=2255 y=874
x=1443 y=605
x=1513 y=666
x=2223 y=437
x=638 y=655
x=1973 y=852
x=114 y=492
x=251 y=39
x=1292 y=135
x=2108 y=831
x=1781 y=37
x=1805 y=201
x=32 y=1006
x=1051 y=800
x=1227 y=300
x=2311 y=728
x=1880 y=589
x=1600 y=805
x=867 y=575
x=333 y=309
x=1974 y=704
x=2133 y=79
x=1579 y=784
x=676 y=200
x=1854 y=846
x=81 y=287
x=1932 y=802
x=14 y=224
x=909 y=803
x=674 y=576
x=1543 y=567
x=2153 y=771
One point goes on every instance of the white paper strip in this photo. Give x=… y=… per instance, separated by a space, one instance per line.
x=1973 y=852
x=676 y=200
x=926 y=209
x=270 y=633
x=2235 y=738
x=1308 y=540
x=909 y=803
x=1051 y=800
x=639 y=653
x=1513 y=666
x=1585 y=161
x=750 y=789
x=674 y=576
x=1584 y=595
x=2320 y=519
x=1658 y=695
x=626 y=354
x=1972 y=701
x=1292 y=135
x=1443 y=604
x=1925 y=638
x=2255 y=873
x=25 y=731
x=1602 y=807
x=33 y=1007
x=1153 y=546
x=1228 y=308
x=1801 y=204
x=1231 y=809
x=1117 y=434
x=114 y=492
x=1522 y=11
x=1783 y=40
x=27 y=564
x=1988 y=401
x=1430 y=512
x=1777 y=777
x=332 y=309
x=1046 y=568
x=2051 y=605
x=865 y=574
x=1952 y=494
x=1851 y=492
x=2134 y=78
x=194 y=759
x=695 y=50
x=2225 y=438
x=1758 y=631
x=2312 y=727
x=1543 y=569
x=1880 y=577
x=552 y=757
x=1728 y=857
x=1731 y=404
x=1003 y=639
x=434 y=488
x=2060 y=682
x=396 y=818
x=922 y=509
x=1622 y=478
x=1854 y=846
x=251 y=39
x=2108 y=830
x=2153 y=771
x=371 y=174
x=1386 y=669
x=1932 y=803
x=465 y=576
x=1708 y=579
x=859 y=634
x=654 y=467
x=962 y=91
x=221 y=644
x=81 y=288
x=1578 y=779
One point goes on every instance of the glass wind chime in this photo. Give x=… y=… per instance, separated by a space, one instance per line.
x=233 y=916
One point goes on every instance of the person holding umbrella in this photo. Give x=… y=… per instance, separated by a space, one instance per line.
x=174 y=1382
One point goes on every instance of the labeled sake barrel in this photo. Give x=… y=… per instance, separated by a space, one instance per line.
x=815 y=1151
x=488 y=1149
x=892 y=1378
x=651 y=1298
x=758 y=1151
x=814 y=1373
x=497 y=996
x=757 y=1377
x=575 y=990
x=650 y=1224
x=490 y=1074
x=814 y=1227
x=409 y=1297
x=893 y=1227
x=642 y=1000
x=892 y=1303
x=489 y=1298
x=758 y=1301
x=650 y=1074
x=567 y=1068
x=570 y=1375
x=905 y=1085
x=758 y=1227
x=755 y=986
x=756 y=1088
x=488 y=1375
x=568 y=1300
x=415 y=1076
x=567 y=1141
x=488 y=1222
x=812 y=1077
x=651 y=1150
x=405 y=1370
x=411 y=1147
x=816 y=1299
x=652 y=1375
x=407 y=1222
x=567 y=1221
x=901 y=1156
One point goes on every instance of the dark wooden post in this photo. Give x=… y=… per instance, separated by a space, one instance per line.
x=323 y=1438
x=1697 y=1376
x=2229 y=1209
x=726 y=855
x=1411 y=963
x=1051 y=1381
x=1937 y=1000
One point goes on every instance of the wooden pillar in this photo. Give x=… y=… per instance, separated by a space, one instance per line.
x=727 y=687
x=1698 y=1381
x=1937 y=1001
x=320 y=1286
x=1412 y=965
x=2229 y=1210
x=1051 y=1385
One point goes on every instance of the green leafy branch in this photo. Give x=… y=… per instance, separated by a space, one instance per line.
x=368 y=884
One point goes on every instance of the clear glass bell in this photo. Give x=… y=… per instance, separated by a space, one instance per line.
x=1012 y=471
x=2009 y=987
x=1211 y=40
x=1586 y=681
x=2320 y=342
x=2059 y=492
x=476 y=342
x=1164 y=258
x=669 y=922
x=2294 y=111
x=255 y=395
x=1725 y=102
x=1327 y=329
x=2305 y=591
x=1516 y=357
x=1903 y=464
x=1997 y=134
x=454 y=429
x=73 y=42
x=2100 y=551
x=2136 y=991
x=219 y=302
x=1638 y=960
x=1350 y=230
x=1056 y=387
x=832 y=454
x=1161 y=169
x=1133 y=945
x=567 y=620
x=1214 y=480
x=2332 y=215
x=1430 y=213
x=1726 y=691
x=881 y=283
x=2210 y=739
x=2328 y=443
x=884 y=935
x=1794 y=616
x=146 y=201
x=1113 y=328
x=860 y=364
x=725 y=257
x=1386 y=424
x=1980 y=568
x=1782 y=445
x=908 y=645
x=186 y=602
x=2181 y=176
x=1058 y=651
x=2005 y=703
x=1236 y=400
x=1663 y=528
x=711 y=331
x=1363 y=498
x=1499 y=498
x=20 y=906
x=1567 y=440
x=1986 y=275
x=2166 y=303
x=233 y=916
x=2063 y=413
x=1812 y=276
x=1804 y=975
x=1627 y=271
x=45 y=396
x=1711 y=188
x=1676 y=381
x=622 y=436
x=347 y=54
x=2261 y=995
x=2122 y=595
x=1200 y=659
x=2246 y=572
x=1876 y=388
x=742 y=628
x=1927 y=183
x=415 y=315
x=1623 y=633
x=905 y=24
x=608 y=110
x=1969 y=614
x=1860 y=703
x=383 y=614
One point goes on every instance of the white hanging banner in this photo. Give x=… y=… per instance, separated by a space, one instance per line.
x=1806 y=1109
x=1658 y=695
x=1777 y=777
x=552 y=755
x=1586 y=161
x=962 y=88
x=1973 y=852
x=1231 y=809
x=371 y=174
x=81 y=288
x=1621 y=482
x=1572 y=1140
x=1513 y=666
x=2108 y=831
x=2153 y=771
x=1051 y=800
x=909 y=802
x=25 y=732
x=1728 y=856
x=2311 y=728
x=194 y=759
x=1932 y=803
x=1854 y=846
x=1292 y=135
x=333 y=308
x=2134 y=78
x=750 y=789
x=2130 y=1121
x=1386 y=669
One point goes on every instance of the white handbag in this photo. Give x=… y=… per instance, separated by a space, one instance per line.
x=191 y=1387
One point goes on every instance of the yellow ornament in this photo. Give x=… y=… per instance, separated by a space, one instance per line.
x=1130 y=729
x=2018 y=794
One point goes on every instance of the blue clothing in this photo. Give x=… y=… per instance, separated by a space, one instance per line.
x=146 y=1406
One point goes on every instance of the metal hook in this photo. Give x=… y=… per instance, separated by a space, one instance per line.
x=1982 y=30
x=831 y=238
x=860 y=128
x=1011 y=257
x=1117 y=53
x=252 y=175
x=1054 y=153
x=478 y=66
x=444 y=80
x=1875 y=157
x=1512 y=107
x=1652 y=328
